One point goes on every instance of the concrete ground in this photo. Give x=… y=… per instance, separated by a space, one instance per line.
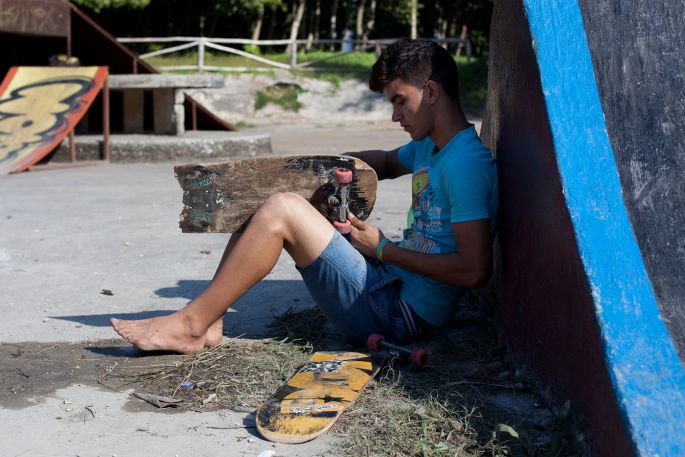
x=82 y=244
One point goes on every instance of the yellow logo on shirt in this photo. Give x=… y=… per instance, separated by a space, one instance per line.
x=419 y=182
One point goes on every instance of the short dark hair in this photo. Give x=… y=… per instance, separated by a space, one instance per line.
x=415 y=62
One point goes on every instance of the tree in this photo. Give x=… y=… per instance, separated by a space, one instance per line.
x=334 y=22
x=314 y=21
x=371 y=21
x=414 y=8
x=99 y=5
x=298 y=13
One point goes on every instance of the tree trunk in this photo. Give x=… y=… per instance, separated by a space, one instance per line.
x=460 y=46
x=359 y=29
x=257 y=30
x=298 y=13
x=314 y=25
x=439 y=28
x=317 y=20
x=413 y=19
x=371 y=22
x=334 y=24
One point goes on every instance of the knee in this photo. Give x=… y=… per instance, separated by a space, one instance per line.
x=282 y=205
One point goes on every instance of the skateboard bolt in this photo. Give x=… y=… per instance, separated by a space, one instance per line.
x=333 y=200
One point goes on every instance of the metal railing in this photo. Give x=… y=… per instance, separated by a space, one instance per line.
x=220 y=44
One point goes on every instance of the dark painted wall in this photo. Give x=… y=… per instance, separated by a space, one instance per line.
x=546 y=310
x=639 y=60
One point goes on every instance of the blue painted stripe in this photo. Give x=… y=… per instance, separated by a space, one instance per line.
x=648 y=377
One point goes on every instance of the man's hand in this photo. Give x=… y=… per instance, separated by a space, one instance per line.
x=364 y=237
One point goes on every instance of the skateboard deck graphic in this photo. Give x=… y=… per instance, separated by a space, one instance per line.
x=315 y=396
x=221 y=197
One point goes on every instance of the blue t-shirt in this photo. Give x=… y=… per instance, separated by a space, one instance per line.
x=456 y=184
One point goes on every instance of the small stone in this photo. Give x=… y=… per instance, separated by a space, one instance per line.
x=250 y=440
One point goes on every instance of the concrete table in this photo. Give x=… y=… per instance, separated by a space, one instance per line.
x=167 y=99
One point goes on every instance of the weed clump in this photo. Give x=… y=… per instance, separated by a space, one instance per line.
x=281 y=94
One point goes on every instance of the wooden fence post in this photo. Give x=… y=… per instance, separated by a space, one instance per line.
x=201 y=55
x=293 y=54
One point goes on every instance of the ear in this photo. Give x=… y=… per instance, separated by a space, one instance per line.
x=432 y=91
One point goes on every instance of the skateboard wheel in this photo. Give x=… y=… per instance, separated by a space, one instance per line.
x=419 y=357
x=343 y=176
x=374 y=341
x=343 y=227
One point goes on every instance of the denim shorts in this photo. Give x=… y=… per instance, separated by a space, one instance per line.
x=358 y=295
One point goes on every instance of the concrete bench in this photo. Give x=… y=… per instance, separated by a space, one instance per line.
x=167 y=99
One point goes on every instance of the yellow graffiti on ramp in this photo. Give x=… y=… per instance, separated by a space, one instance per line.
x=39 y=107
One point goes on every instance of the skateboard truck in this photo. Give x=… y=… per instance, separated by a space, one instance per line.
x=417 y=356
x=340 y=201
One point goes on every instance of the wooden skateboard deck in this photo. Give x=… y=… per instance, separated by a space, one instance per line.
x=313 y=399
x=221 y=197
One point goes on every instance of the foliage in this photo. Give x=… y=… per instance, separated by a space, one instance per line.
x=99 y=5
x=237 y=18
x=240 y=7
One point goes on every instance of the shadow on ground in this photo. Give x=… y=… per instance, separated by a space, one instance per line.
x=248 y=316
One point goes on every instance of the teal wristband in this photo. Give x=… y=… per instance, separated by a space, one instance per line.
x=379 y=248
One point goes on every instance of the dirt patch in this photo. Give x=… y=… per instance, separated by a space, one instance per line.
x=32 y=371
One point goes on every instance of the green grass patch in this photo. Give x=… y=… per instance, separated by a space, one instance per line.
x=347 y=61
x=281 y=94
x=244 y=125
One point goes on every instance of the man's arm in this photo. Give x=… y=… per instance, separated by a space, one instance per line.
x=386 y=164
x=469 y=267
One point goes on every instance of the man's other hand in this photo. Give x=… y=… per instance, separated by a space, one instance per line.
x=364 y=237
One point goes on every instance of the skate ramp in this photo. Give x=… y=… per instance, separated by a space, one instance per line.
x=586 y=114
x=39 y=107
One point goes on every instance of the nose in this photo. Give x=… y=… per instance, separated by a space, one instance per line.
x=396 y=115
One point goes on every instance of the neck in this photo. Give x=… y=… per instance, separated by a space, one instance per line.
x=448 y=122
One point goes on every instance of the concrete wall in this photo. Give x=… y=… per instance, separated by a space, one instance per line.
x=573 y=294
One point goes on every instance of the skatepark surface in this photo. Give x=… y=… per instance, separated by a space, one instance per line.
x=83 y=244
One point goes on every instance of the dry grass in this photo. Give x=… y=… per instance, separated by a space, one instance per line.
x=237 y=375
x=466 y=402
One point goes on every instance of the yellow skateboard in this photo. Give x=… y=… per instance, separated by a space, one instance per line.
x=313 y=399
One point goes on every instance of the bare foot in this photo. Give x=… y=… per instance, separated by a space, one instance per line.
x=166 y=333
x=215 y=333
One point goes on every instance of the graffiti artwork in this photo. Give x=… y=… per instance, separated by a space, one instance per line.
x=39 y=107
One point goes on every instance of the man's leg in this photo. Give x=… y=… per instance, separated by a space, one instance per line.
x=215 y=333
x=285 y=221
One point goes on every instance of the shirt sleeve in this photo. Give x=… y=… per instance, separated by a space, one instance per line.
x=407 y=154
x=465 y=186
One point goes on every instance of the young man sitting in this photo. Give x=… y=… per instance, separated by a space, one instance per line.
x=368 y=284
